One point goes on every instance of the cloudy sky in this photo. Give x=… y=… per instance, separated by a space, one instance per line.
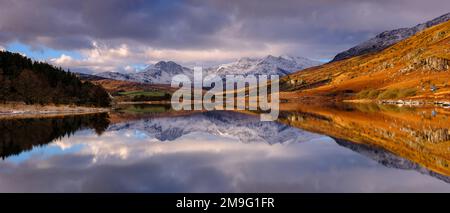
x=117 y=35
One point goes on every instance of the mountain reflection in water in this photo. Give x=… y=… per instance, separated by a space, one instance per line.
x=152 y=149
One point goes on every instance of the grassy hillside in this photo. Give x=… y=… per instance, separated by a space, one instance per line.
x=125 y=91
x=22 y=80
x=416 y=68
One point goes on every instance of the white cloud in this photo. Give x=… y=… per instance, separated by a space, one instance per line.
x=121 y=58
x=208 y=56
x=63 y=59
x=2 y=48
x=100 y=58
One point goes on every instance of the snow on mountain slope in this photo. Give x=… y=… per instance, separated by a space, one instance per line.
x=117 y=76
x=162 y=72
x=159 y=73
x=269 y=65
x=388 y=38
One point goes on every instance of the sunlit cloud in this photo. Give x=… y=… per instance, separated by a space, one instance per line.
x=102 y=58
x=209 y=56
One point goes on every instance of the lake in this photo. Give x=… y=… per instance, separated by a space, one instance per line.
x=150 y=148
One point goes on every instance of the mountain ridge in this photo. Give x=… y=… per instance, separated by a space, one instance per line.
x=388 y=38
x=163 y=71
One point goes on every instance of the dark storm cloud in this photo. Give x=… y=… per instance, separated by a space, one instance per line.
x=164 y=23
x=161 y=23
x=328 y=26
x=319 y=28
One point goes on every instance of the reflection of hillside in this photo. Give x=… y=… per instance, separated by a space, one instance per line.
x=18 y=135
x=420 y=135
x=388 y=159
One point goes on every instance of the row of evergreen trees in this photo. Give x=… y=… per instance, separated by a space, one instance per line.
x=22 y=80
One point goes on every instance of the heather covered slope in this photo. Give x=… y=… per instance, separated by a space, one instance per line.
x=415 y=68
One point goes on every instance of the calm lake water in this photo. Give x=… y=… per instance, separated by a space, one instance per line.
x=151 y=149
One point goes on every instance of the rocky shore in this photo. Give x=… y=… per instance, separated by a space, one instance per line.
x=416 y=102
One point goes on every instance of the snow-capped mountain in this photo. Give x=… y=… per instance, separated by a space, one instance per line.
x=162 y=72
x=269 y=65
x=388 y=38
x=159 y=73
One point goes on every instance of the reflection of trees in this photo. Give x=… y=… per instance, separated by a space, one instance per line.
x=18 y=135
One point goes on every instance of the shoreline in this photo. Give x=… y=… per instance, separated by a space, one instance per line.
x=142 y=102
x=402 y=102
x=11 y=110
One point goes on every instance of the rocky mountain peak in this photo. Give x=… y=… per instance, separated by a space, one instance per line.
x=168 y=66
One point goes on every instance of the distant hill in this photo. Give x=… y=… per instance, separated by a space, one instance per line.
x=22 y=80
x=415 y=68
x=88 y=77
x=388 y=38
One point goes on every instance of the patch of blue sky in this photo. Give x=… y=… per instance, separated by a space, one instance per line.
x=44 y=152
x=324 y=60
x=40 y=53
x=140 y=67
